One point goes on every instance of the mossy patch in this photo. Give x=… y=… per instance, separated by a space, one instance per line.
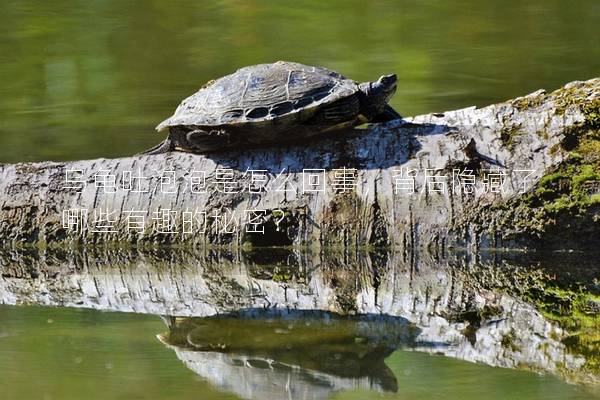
x=562 y=209
x=571 y=189
x=589 y=151
x=568 y=196
x=591 y=110
x=582 y=322
x=509 y=341
x=510 y=133
x=578 y=94
x=533 y=100
x=574 y=308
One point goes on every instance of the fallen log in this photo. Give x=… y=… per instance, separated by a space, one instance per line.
x=523 y=173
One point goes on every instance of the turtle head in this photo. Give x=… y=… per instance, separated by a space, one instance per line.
x=375 y=95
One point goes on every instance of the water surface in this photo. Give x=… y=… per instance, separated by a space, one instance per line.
x=87 y=79
x=53 y=353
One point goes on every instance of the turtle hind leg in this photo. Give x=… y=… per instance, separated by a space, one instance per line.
x=388 y=114
x=163 y=147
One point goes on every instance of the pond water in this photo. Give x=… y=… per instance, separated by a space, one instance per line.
x=87 y=79
x=53 y=353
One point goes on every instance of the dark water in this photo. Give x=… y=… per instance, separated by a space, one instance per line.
x=83 y=79
x=49 y=353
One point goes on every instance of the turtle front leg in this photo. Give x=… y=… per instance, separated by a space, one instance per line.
x=200 y=140
x=388 y=114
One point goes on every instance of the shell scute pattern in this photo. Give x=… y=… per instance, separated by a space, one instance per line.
x=260 y=93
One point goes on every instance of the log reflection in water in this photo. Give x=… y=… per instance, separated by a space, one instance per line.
x=481 y=311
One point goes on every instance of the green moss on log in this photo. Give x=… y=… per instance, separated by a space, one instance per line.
x=578 y=313
x=568 y=196
x=573 y=304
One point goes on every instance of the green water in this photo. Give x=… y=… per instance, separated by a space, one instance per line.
x=85 y=79
x=49 y=353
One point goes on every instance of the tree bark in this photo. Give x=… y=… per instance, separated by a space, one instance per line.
x=366 y=197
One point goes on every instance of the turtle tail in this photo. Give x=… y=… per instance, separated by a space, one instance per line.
x=163 y=147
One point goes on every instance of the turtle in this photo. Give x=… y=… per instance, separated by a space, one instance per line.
x=274 y=103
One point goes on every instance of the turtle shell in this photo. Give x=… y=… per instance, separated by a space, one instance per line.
x=284 y=92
